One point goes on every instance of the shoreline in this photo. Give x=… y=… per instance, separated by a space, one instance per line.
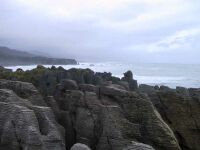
x=152 y=79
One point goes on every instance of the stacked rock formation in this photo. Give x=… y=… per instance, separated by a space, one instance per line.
x=180 y=108
x=27 y=125
x=112 y=114
x=110 y=117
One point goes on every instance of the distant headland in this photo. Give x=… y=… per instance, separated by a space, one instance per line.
x=10 y=57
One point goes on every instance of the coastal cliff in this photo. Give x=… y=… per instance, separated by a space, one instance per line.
x=11 y=57
x=78 y=109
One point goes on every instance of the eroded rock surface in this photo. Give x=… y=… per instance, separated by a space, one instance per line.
x=80 y=146
x=128 y=77
x=111 y=114
x=180 y=108
x=111 y=118
x=24 y=90
x=24 y=125
x=138 y=146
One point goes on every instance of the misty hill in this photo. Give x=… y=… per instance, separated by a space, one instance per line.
x=10 y=57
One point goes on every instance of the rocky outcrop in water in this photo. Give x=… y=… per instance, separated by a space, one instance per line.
x=128 y=77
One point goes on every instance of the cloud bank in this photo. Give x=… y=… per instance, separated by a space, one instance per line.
x=104 y=30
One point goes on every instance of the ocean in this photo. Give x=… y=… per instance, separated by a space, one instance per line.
x=172 y=75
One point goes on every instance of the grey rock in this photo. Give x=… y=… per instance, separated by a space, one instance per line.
x=69 y=85
x=153 y=129
x=164 y=88
x=106 y=83
x=27 y=126
x=138 y=146
x=117 y=86
x=24 y=90
x=80 y=146
x=51 y=102
x=146 y=88
x=128 y=77
x=113 y=90
x=88 y=87
x=103 y=117
x=180 y=109
x=124 y=84
x=114 y=118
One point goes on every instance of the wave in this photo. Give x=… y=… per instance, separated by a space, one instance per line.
x=158 y=79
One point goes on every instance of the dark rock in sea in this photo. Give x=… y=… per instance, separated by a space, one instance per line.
x=19 y=70
x=128 y=77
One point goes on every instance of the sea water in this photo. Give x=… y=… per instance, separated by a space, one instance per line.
x=171 y=75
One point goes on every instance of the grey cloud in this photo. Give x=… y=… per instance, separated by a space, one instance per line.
x=87 y=39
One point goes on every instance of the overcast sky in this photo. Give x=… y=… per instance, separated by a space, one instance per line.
x=104 y=30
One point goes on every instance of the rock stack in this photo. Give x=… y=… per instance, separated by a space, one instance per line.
x=114 y=114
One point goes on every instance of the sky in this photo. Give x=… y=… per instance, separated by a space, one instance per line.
x=155 y=31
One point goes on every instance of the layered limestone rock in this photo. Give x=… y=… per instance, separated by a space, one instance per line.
x=80 y=146
x=128 y=77
x=180 y=108
x=46 y=79
x=138 y=146
x=107 y=116
x=24 y=125
x=24 y=90
x=111 y=118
